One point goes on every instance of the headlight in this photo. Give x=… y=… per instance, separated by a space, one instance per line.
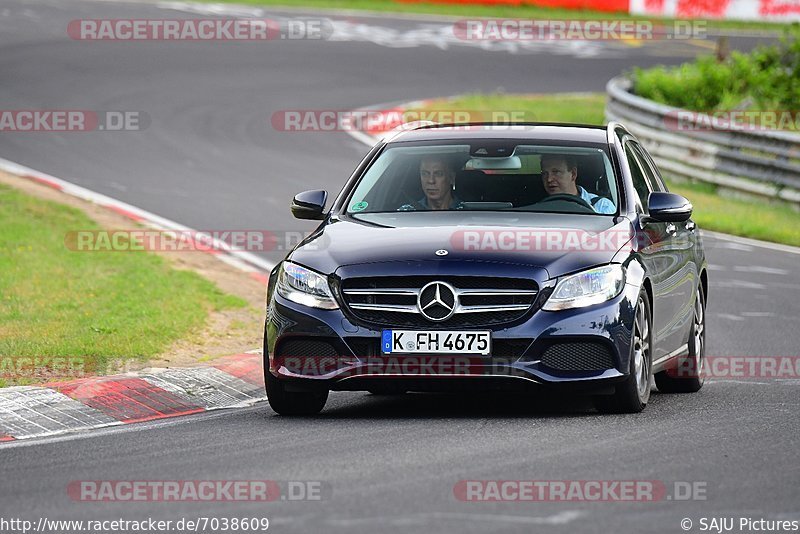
x=305 y=287
x=586 y=288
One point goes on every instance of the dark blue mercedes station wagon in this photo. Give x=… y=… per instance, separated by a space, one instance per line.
x=492 y=257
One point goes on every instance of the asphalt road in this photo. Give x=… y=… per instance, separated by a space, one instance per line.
x=211 y=160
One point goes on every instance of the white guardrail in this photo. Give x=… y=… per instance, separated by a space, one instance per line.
x=764 y=163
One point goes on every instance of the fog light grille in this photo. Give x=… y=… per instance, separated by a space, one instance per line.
x=578 y=356
x=306 y=348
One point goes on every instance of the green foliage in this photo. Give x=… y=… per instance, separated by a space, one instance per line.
x=768 y=78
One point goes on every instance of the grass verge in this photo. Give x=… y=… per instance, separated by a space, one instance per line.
x=770 y=221
x=586 y=108
x=65 y=313
x=776 y=222
x=488 y=11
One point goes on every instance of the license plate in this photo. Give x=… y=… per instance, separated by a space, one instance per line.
x=436 y=342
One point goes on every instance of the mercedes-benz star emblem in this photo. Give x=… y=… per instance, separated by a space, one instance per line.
x=437 y=301
x=442 y=252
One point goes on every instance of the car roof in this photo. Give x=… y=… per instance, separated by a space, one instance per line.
x=524 y=132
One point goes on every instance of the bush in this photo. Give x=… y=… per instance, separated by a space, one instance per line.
x=768 y=78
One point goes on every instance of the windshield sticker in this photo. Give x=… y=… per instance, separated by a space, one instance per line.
x=359 y=206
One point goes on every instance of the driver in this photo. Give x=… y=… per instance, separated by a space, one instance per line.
x=559 y=175
x=437 y=178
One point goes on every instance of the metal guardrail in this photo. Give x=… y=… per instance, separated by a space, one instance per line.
x=765 y=163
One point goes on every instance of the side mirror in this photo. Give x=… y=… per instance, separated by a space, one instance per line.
x=309 y=204
x=668 y=207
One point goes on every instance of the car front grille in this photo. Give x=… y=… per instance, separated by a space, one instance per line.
x=478 y=301
x=578 y=356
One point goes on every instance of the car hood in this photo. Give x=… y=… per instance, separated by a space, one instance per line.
x=556 y=243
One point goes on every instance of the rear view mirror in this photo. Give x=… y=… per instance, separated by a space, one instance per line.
x=309 y=204
x=668 y=207
x=510 y=163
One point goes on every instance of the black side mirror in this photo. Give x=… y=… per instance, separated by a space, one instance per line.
x=668 y=207
x=309 y=204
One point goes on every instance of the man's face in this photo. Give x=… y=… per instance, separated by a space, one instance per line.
x=435 y=178
x=557 y=178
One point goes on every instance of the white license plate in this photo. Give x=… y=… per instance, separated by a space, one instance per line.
x=436 y=342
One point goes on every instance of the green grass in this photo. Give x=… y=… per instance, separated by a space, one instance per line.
x=526 y=11
x=88 y=309
x=578 y=108
x=776 y=221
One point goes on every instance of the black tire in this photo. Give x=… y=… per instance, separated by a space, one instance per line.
x=632 y=395
x=691 y=366
x=293 y=402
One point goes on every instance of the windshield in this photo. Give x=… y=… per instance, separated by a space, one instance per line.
x=498 y=177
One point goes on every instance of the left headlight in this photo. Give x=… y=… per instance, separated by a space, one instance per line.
x=305 y=287
x=585 y=288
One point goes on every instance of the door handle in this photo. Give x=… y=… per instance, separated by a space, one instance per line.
x=690 y=226
x=671 y=229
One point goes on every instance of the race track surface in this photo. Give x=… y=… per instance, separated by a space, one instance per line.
x=210 y=159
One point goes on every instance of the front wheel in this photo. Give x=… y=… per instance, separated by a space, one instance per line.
x=632 y=395
x=293 y=402
x=688 y=377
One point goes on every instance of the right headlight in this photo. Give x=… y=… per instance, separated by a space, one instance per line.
x=585 y=288
x=305 y=286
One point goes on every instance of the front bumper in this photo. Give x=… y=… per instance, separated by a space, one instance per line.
x=350 y=357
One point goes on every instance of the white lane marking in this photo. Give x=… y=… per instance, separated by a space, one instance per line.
x=561 y=518
x=247 y=261
x=730 y=317
x=759 y=269
x=752 y=242
x=735 y=246
x=739 y=284
x=780 y=381
x=714 y=267
x=758 y=314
